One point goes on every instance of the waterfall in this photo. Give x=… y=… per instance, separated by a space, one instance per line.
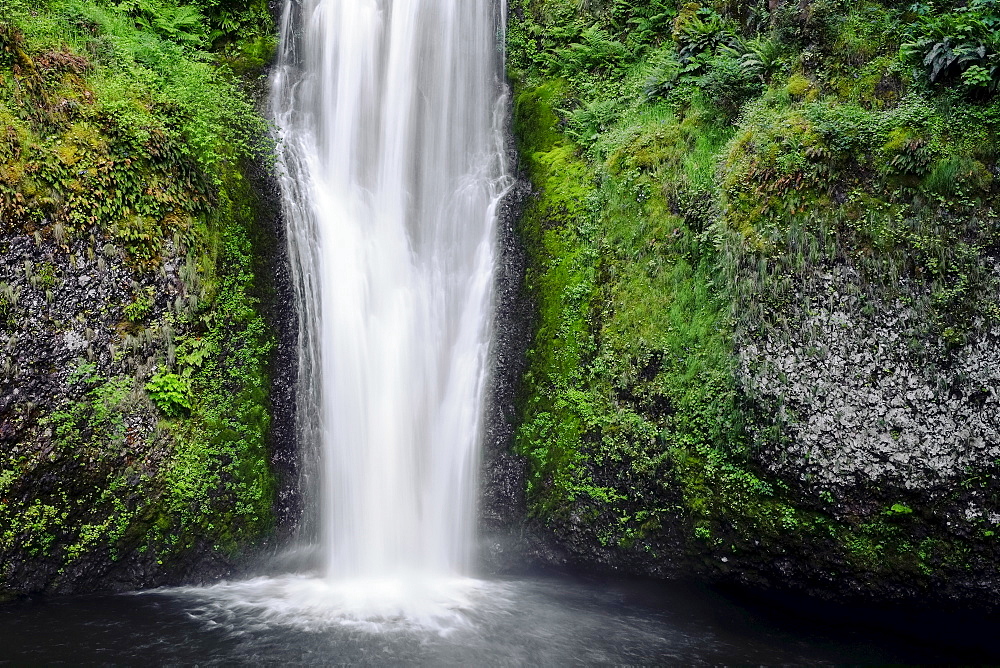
x=390 y=162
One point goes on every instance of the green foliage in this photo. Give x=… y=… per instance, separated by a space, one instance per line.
x=594 y=50
x=666 y=70
x=630 y=360
x=183 y=24
x=121 y=123
x=141 y=307
x=727 y=85
x=696 y=167
x=709 y=53
x=98 y=418
x=117 y=124
x=961 y=46
x=700 y=32
x=9 y=296
x=220 y=481
x=763 y=57
x=874 y=183
x=808 y=25
x=170 y=393
x=899 y=509
x=91 y=433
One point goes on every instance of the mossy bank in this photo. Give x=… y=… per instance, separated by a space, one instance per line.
x=135 y=358
x=763 y=254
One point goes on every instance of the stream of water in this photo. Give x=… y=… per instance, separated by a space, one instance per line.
x=391 y=167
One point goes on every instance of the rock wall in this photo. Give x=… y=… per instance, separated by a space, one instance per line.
x=138 y=306
x=761 y=250
x=865 y=398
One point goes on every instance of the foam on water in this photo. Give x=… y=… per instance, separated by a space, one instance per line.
x=310 y=603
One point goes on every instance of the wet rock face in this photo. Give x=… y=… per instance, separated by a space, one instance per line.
x=64 y=306
x=890 y=432
x=142 y=318
x=280 y=311
x=502 y=506
x=103 y=486
x=869 y=398
x=65 y=321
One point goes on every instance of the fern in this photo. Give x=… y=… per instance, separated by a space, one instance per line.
x=960 y=47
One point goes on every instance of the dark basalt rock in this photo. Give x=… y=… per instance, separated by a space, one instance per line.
x=502 y=506
x=68 y=312
x=64 y=320
x=281 y=312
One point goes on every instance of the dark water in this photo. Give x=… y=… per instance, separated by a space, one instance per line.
x=543 y=621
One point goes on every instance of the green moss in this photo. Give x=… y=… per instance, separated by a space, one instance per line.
x=798 y=85
x=612 y=387
x=120 y=125
x=661 y=233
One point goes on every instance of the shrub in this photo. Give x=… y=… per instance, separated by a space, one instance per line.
x=141 y=306
x=665 y=72
x=595 y=49
x=727 y=86
x=807 y=24
x=586 y=123
x=699 y=32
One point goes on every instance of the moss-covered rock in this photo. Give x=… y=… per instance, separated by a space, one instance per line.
x=763 y=253
x=135 y=358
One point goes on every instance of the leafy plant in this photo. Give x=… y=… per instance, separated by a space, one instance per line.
x=170 y=393
x=650 y=19
x=181 y=23
x=727 y=85
x=898 y=509
x=586 y=123
x=595 y=49
x=807 y=24
x=9 y=295
x=699 y=32
x=122 y=124
x=663 y=77
x=962 y=46
x=763 y=57
x=141 y=306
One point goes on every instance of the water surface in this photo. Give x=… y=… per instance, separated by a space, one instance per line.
x=543 y=621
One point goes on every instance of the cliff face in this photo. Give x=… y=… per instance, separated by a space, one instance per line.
x=763 y=253
x=135 y=267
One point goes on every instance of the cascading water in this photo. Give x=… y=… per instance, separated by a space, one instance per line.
x=390 y=118
x=391 y=165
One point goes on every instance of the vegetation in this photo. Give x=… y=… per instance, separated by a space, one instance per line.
x=697 y=166
x=125 y=134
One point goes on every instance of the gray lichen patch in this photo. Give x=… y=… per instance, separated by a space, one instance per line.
x=867 y=396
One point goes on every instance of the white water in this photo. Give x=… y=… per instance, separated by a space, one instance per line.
x=391 y=166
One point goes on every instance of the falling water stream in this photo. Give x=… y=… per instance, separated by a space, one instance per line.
x=390 y=121
x=392 y=171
